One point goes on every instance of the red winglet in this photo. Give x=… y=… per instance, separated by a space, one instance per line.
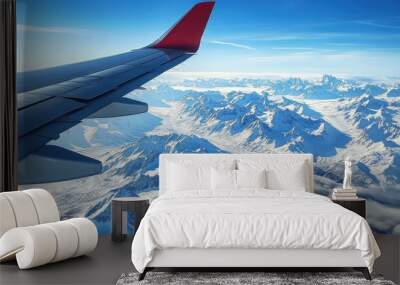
x=186 y=34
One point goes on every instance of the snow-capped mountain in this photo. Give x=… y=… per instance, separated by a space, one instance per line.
x=395 y=92
x=374 y=117
x=262 y=123
x=328 y=87
x=331 y=87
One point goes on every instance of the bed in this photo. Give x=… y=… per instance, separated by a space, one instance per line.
x=245 y=211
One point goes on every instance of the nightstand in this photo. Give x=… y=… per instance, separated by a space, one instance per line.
x=119 y=214
x=357 y=206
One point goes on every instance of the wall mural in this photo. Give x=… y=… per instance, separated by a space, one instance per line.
x=322 y=82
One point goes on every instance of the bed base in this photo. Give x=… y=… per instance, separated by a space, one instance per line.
x=250 y=259
x=363 y=270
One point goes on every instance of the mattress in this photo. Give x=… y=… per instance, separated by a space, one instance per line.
x=250 y=219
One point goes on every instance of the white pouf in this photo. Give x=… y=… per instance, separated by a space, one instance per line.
x=31 y=232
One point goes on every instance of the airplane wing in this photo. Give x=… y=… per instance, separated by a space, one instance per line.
x=53 y=100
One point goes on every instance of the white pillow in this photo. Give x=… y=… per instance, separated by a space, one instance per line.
x=184 y=174
x=281 y=174
x=223 y=179
x=227 y=179
x=251 y=179
x=293 y=179
x=181 y=177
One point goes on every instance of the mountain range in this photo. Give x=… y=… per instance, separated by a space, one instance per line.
x=330 y=117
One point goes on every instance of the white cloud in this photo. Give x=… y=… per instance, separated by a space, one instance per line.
x=89 y=132
x=273 y=37
x=292 y=48
x=374 y=24
x=384 y=218
x=232 y=45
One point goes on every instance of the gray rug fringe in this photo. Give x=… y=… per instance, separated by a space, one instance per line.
x=244 y=278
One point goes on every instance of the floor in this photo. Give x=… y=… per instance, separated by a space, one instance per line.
x=111 y=259
x=104 y=266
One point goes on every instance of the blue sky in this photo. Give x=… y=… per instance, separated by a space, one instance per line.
x=357 y=37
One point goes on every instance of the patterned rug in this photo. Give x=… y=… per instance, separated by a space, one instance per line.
x=243 y=278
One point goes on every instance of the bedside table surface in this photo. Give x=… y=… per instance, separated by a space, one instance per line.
x=129 y=199
x=349 y=200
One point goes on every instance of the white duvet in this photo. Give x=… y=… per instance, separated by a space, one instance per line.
x=250 y=219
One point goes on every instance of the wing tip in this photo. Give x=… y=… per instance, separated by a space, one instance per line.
x=186 y=34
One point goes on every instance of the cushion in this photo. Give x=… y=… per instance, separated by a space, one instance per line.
x=27 y=208
x=45 y=205
x=32 y=246
x=251 y=179
x=7 y=218
x=281 y=174
x=193 y=175
x=181 y=177
x=67 y=240
x=87 y=233
x=223 y=179
x=227 y=179
x=23 y=208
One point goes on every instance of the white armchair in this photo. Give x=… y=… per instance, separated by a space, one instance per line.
x=31 y=230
